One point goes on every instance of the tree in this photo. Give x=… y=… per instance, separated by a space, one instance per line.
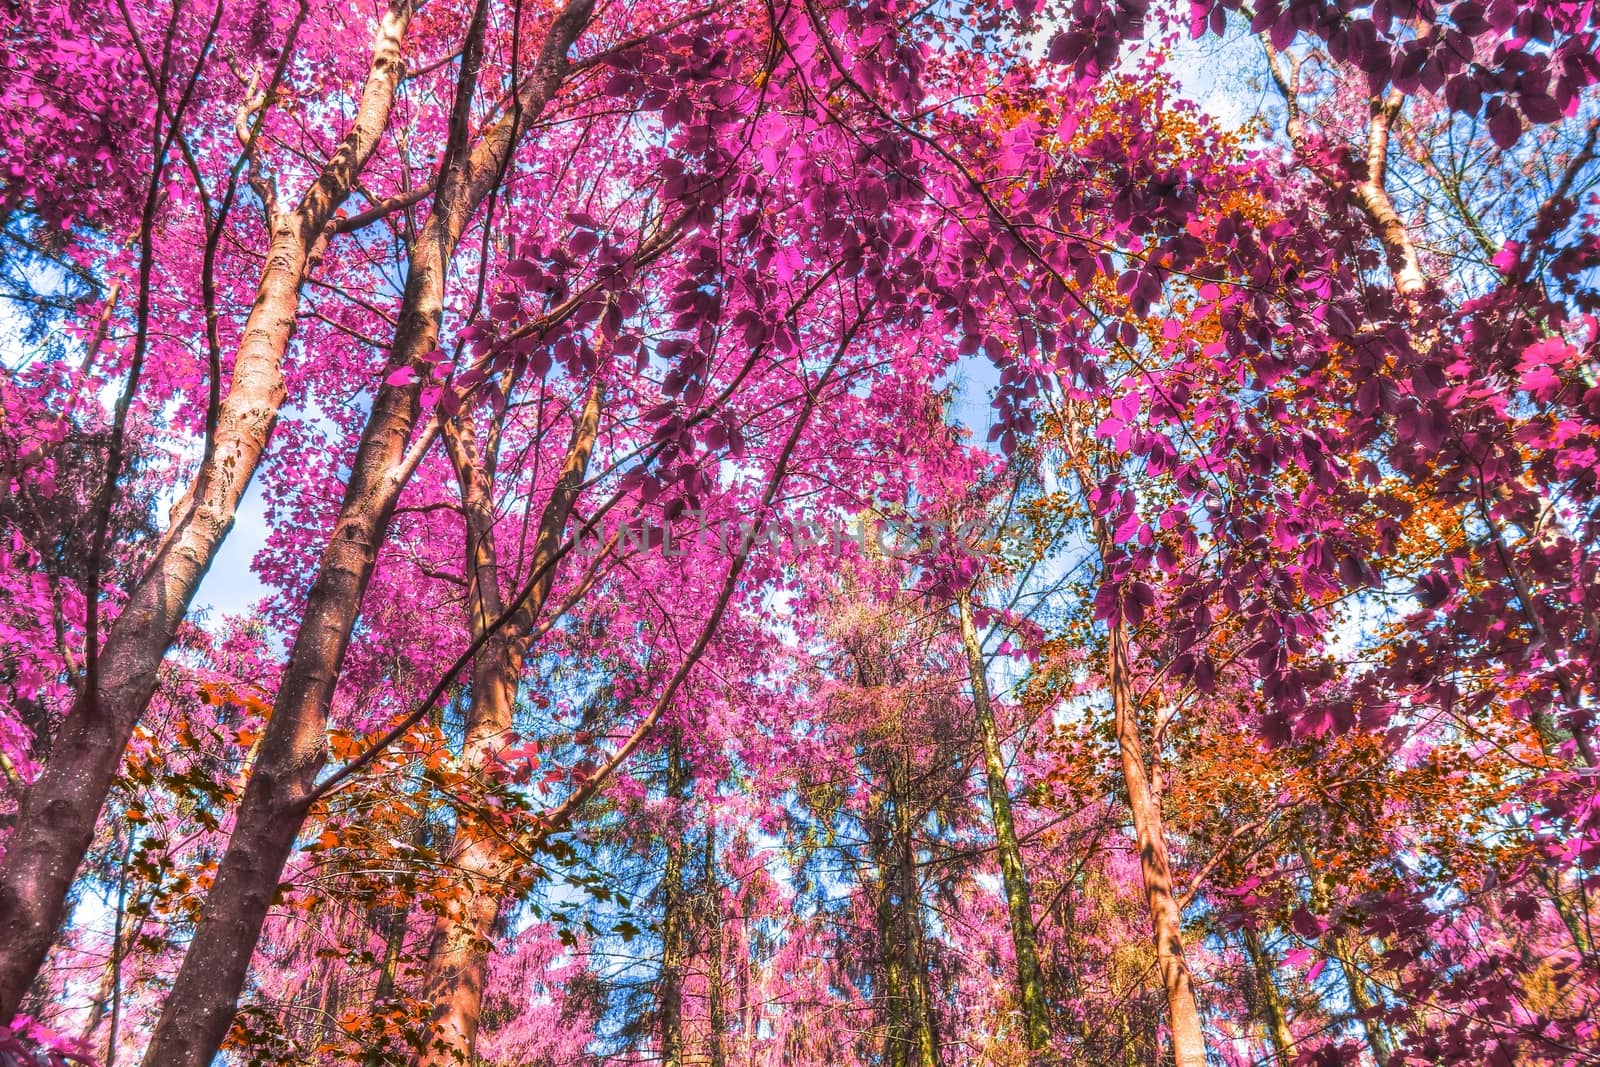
x=657 y=664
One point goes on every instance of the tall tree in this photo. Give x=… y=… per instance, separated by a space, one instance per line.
x=1019 y=900
x=56 y=822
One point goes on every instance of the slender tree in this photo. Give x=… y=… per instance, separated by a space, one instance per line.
x=1019 y=903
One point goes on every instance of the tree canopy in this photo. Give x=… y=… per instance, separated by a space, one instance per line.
x=847 y=532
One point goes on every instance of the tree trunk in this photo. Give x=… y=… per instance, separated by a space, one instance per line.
x=1371 y=194
x=58 y=813
x=1339 y=947
x=897 y=1033
x=458 y=952
x=1030 y=979
x=204 y=997
x=1361 y=999
x=468 y=982
x=1188 y=1039
x=1127 y=1039
x=711 y=908
x=1276 y=1023
x=1405 y=267
x=1155 y=868
x=201 y=1006
x=330 y=1002
x=393 y=923
x=674 y=917
x=925 y=1040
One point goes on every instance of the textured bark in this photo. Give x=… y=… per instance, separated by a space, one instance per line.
x=1155 y=867
x=460 y=943
x=910 y=1037
x=1188 y=1039
x=329 y=1003
x=392 y=921
x=1373 y=195
x=1270 y=1004
x=59 y=811
x=897 y=1039
x=201 y=1007
x=394 y=937
x=913 y=946
x=674 y=920
x=1127 y=1040
x=1019 y=903
x=897 y=1014
x=204 y=997
x=711 y=902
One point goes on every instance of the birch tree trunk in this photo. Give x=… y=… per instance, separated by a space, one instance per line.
x=1188 y=1039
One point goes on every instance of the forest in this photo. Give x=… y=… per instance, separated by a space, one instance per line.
x=799 y=533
